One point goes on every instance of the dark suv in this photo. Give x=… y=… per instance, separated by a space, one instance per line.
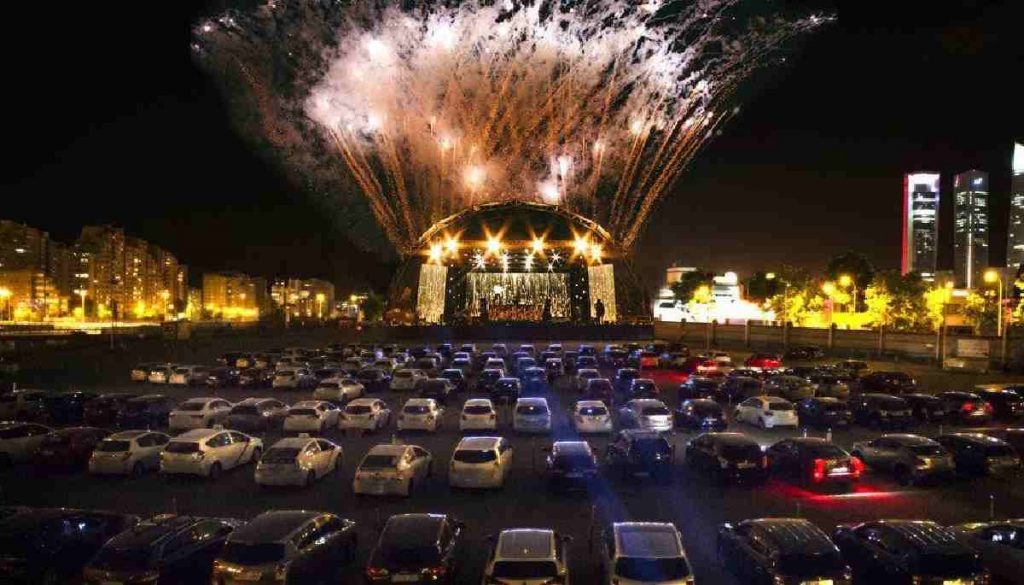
x=506 y=389
x=926 y=407
x=163 y=549
x=67 y=407
x=738 y=388
x=571 y=465
x=881 y=411
x=698 y=387
x=888 y=383
x=810 y=461
x=440 y=389
x=966 y=408
x=700 y=414
x=635 y=451
x=374 y=380
x=103 y=410
x=781 y=550
x=824 y=412
x=416 y=548
x=978 y=454
x=1007 y=400
x=907 y=551
x=728 y=457
x=144 y=412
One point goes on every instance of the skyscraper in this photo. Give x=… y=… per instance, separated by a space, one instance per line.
x=920 y=223
x=970 y=227
x=1015 y=229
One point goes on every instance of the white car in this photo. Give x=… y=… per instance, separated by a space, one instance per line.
x=532 y=415
x=209 y=452
x=629 y=545
x=392 y=469
x=646 y=414
x=368 y=414
x=494 y=364
x=297 y=461
x=338 y=390
x=140 y=372
x=478 y=415
x=406 y=379
x=197 y=413
x=188 y=375
x=20 y=441
x=590 y=416
x=160 y=374
x=420 y=414
x=293 y=378
x=480 y=462
x=311 y=416
x=767 y=412
x=584 y=376
x=528 y=555
x=128 y=452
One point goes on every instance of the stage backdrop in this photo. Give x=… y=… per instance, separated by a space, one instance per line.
x=430 y=298
x=517 y=293
x=602 y=286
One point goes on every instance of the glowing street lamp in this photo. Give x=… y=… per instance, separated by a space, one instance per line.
x=845 y=280
x=320 y=298
x=828 y=288
x=595 y=252
x=991 y=277
x=581 y=245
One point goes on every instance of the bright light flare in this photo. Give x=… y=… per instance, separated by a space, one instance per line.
x=493 y=245
x=581 y=245
x=537 y=245
x=550 y=193
x=596 y=252
x=475 y=177
x=377 y=50
x=451 y=245
x=435 y=252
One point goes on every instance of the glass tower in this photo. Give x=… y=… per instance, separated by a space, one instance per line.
x=970 y=227
x=1015 y=229
x=920 y=223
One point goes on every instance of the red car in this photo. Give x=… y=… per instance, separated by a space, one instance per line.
x=70 y=447
x=765 y=361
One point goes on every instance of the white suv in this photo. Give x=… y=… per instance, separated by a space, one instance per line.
x=767 y=412
x=645 y=552
x=420 y=414
x=188 y=375
x=311 y=416
x=590 y=416
x=208 y=452
x=528 y=555
x=20 y=441
x=480 y=462
x=128 y=452
x=647 y=414
x=478 y=415
x=197 y=413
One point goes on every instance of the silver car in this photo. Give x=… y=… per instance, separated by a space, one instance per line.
x=297 y=461
x=128 y=452
x=911 y=458
x=257 y=414
x=647 y=414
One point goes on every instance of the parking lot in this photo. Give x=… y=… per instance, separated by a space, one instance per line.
x=696 y=505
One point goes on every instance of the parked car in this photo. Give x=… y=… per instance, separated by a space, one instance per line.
x=103 y=410
x=407 y=379
x=223 y=377
x=338 y=390
x=160 y=373
x=367 y=414
x=554 y=368
x=763 y=361
x=436 y=540
x=698 y=387
x=298 y=461
x=24 y=405
x=257 y=414
x=623 y=381
x=729 y=457
x=586 y=361
x=535 y=379
x=571 y=465
x=527 y=555
x=829 y=386
x=853 y=368
x=881 y=411
x=146 y=412
x=642 y=388
x=978 y=454
x=20 y=441
x=824 y=413
x=256 y=377
x=163 y=549
x=911 y=459
x=926 y=407
x=590 y=416
x=792 y=388
x=700 y=414
x=209 y=452
x=422 y=414
x=480 y=462
x=966 y=408
x=600 y=389
x=804 y=353
x=439 y=389
x=813 y=462
x=531 y=415
x=487 y=378
x=478 y=414
x=644 y=552
x=294 y=379
x=584 y=376
x=392 y=469
x=66 y=408
x=69 y=447
x=311 y=416
x=128 y=453
x=766 y=412
x=739 y=388
x=507 y=390
x=457 y=378
x=188 y=375
x=636 y=451
x=1000 y=544
x=53 y=545
x=895 y=383
x=781 y=550
x=287 y=546
x=647 y=414
x=907 y=551
x=196 y=413
x=140 y=372
x=1007 y=400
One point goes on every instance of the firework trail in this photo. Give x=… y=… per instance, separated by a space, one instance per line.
x=432 y=107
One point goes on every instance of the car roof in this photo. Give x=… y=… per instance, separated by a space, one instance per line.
x=387 y=449
x=588 y=403
x=292 y=442
x=571 y=447
x=641 y=434
x=909 y=440
x=420 y=402
x=197 y=434
x=794 y=534
x=477 y=443
x=738 y=439
x=648 y=402
x=363 y=402
x=151 y=531
x=960 y=394
x=920 y=533
x=526 y=543
x=273 y=526
x=202 y=399
x=414 y=528
x=536 y=400
x=127 y=435
x=979 y=438
x=828 y=399
x=308 y=403
x=647 y=540
x=478 y=402
x=776 y=399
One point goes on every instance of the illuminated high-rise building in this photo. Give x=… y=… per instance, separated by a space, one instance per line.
x=970 y=227
x=920 y=223
x=1015 y=229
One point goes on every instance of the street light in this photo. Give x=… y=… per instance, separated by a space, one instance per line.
x=847 y=281
x=993 y=276
x=320 y=297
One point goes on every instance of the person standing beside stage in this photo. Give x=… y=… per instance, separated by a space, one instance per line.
x=599 y=311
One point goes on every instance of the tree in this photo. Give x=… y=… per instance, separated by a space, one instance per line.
x=980 y=310
x=690 y=282
x=372 y=307
x=759 y=287
x=935 y=301
x=851 y=264
x=898 y=301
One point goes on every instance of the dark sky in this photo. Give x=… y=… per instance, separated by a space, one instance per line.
x=108 y=120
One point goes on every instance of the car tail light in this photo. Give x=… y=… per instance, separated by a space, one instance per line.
x=818 y=472
x=856 y=466
x=436 y=571
x=988 y=408
x=376 y=572
x=967 y=407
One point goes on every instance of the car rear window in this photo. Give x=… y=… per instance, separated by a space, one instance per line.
x=379 y=462
x=280 y=455
x=531 y=409
x=474 y=456
x=892 y=404
x=654 y=570
x=477 y=410
x=112 y=446
x=192 y=406
x=246 y=410
x=182 y=447
x=737 y=452
x=416 y=409
x=357 y=409
x=252 y=553
x=644 y=446
x=829 y=451
x=780 y=406
x=654 y=410
x=527 y=570
x=302 y=411
x=403 y=374
x=593 y=411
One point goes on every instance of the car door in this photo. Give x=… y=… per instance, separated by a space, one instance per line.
x=234 y=449
x=328 y=453
x=885 y=452
x=420 y=462
x=780 y=458
x=505 y=457
x=151 y=453
x=180 y=559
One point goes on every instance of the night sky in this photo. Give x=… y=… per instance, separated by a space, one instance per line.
x=109 y=121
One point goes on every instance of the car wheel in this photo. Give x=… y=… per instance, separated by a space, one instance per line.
x=138 y=469
x=310 y=478
x=215 y=471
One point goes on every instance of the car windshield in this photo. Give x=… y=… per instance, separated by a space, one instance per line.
x=15 y=433
x=474 y=456
x=379 y=462
x=735 y=452
x=245 y=410
x=574 y=461
x=892 y=404
x=474 y=409
x=927 y=450
x=330 y=385
x=833 y=406
x=434 y=386
x=999 y=451
x=257 y=553
x=524 y=570
x=123 y=559
x=181 y=371
x=529 y=409
x=811 y=565
x=416 y=409
x=112 y=446
x=357 y=409
x=780 y=406
x=707 y=409
x=302 y=411
x=285 y=373
x=280 y=455
x=192 y=406
x=182 y=447
x=593 y=411
x=826 y=450
x=654 y=411
x=403 y=374
x=657 y=570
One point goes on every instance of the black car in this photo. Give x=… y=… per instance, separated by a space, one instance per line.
x=457 y=377
x=103 y=410
x=728 y=457
x=623 y=380
x=599 y=389
x=146 y=412
x=256 y=378
x=47 y=545
x=966 y=408
x=978 y=454
x=642 y=388
x=440 y=389
x=535 y=380
x=769 y=551
x=926 y=407
x=416 y=548
x=804 y=352
x=1007 y=401
x=69 y=447
x=569 y=361
x=223 y=377
x=700 y=414
x=373 y=380
x=635 y=451
x=616 y=358
x=67 y=407
x=810 y=461
x=571 y=465
x=824 y=413
x=736 y=389
x=907 y=551
x=698 y=387
x=895 y=383
x=487 y=378
x=163 y=549
x=506 y=390
x=881 y=411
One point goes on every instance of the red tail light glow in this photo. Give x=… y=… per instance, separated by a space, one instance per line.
x=988 y=408
x=856 y=466
x=967 y=407
x=818 y=472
